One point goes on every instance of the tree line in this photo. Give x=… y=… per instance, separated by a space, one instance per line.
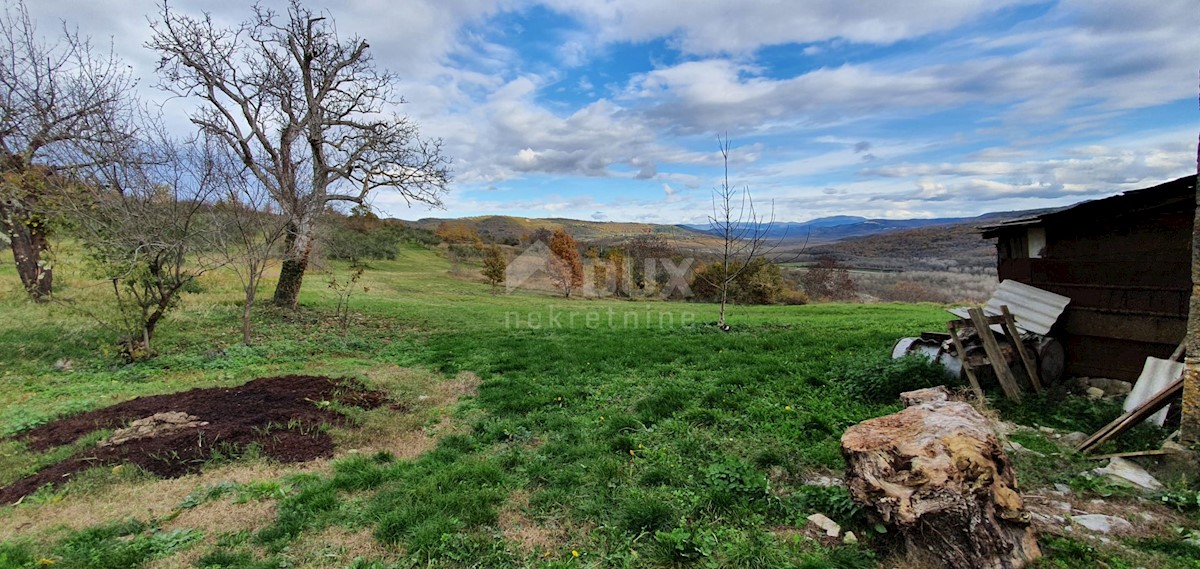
x=289 y=119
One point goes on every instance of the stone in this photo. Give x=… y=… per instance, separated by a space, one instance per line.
x=937 y=475
x=1060 y=506
x=1095 y=393
x=850 y=538
x=1072 y=439
x=156 y=425
x=1111 y=387
x=64 y=365
x=1174 y=447
x=1020 y=448
x=1100 y=523
x=1127 y=471
x=937 y=394
x=1048 y=519
x=1062 y=489
x=830 y=527
x=1005 y=428
x=823 y=481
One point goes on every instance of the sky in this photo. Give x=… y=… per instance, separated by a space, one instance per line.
x=611 y=110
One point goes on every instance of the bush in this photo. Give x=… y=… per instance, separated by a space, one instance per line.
x=883 y=380
x=362 y=235
x=794 y=297
x=760 y=282
x=829 y=279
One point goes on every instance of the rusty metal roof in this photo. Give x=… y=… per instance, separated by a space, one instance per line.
x=1034 y=309
x=1130 y=203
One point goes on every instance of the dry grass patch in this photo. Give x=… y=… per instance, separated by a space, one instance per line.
x=214 y=519
x=337 y=547
x=142 y=499
x=541 y=537
x=419 y=418
x=518 y=527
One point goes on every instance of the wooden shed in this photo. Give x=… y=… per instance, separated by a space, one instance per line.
x=1125 y=263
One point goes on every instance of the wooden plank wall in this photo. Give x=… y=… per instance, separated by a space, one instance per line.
x=1129 y=281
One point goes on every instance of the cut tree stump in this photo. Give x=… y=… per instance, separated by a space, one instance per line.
x=936 y=474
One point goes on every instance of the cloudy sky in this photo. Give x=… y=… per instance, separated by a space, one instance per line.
x=610 y=109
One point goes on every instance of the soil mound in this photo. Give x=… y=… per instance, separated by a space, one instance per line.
x=175 y=434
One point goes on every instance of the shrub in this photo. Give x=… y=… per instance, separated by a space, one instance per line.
x=737 y=479
x=883 y=380
x=761 y=282
x=794 y=297
x=829 y=279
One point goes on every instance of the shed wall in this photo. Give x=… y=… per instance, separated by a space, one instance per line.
x=1129 y=280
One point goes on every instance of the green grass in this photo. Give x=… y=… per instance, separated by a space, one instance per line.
x=635 y=433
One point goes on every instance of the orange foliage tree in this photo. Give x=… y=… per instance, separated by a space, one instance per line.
x=564 y=265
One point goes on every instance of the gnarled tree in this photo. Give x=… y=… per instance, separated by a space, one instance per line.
x=62 y=106
x=307 y=112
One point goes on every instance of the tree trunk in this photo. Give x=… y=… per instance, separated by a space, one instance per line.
x=297 y=249
x=28 y=239
x=1189 y=421
x=936 y=474
x=247 y=311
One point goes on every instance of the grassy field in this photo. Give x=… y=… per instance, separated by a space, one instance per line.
x=536 y=432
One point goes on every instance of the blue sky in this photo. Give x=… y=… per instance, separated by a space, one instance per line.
x=610 y=109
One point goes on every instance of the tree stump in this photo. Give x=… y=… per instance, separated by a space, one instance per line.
x=936 y=474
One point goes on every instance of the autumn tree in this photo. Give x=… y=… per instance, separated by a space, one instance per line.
x=457 y=232
x=64 y=107
x=540 y=234
x=599 y=271
x=564 y=265
x=645 y=250
x=615 y=259
x=307 y=112
x=829 y=279
x=494 y=266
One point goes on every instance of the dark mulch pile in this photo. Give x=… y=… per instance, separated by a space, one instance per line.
x=281 y=415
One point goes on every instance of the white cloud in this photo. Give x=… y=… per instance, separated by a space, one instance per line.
x=713 y=26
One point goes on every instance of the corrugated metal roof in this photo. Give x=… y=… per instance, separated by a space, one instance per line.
x=1034 y=309
x=1131 y=202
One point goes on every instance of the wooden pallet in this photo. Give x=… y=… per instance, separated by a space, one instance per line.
x=982 y=324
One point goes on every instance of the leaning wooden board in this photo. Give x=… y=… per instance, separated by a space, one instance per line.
x=1124 y=422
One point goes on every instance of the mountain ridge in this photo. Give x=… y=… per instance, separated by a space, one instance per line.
x=823 y=230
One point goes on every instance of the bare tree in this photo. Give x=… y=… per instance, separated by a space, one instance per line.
x=247 y=230
x=742 y=229
x=307 y=113
x=143 y=223
x=60 y=104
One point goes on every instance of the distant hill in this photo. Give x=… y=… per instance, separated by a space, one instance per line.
x=840 y=227
x=938 y=246
x=867 y=243
x=508 y=229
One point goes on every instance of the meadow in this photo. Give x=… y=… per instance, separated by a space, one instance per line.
x=529 y=430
